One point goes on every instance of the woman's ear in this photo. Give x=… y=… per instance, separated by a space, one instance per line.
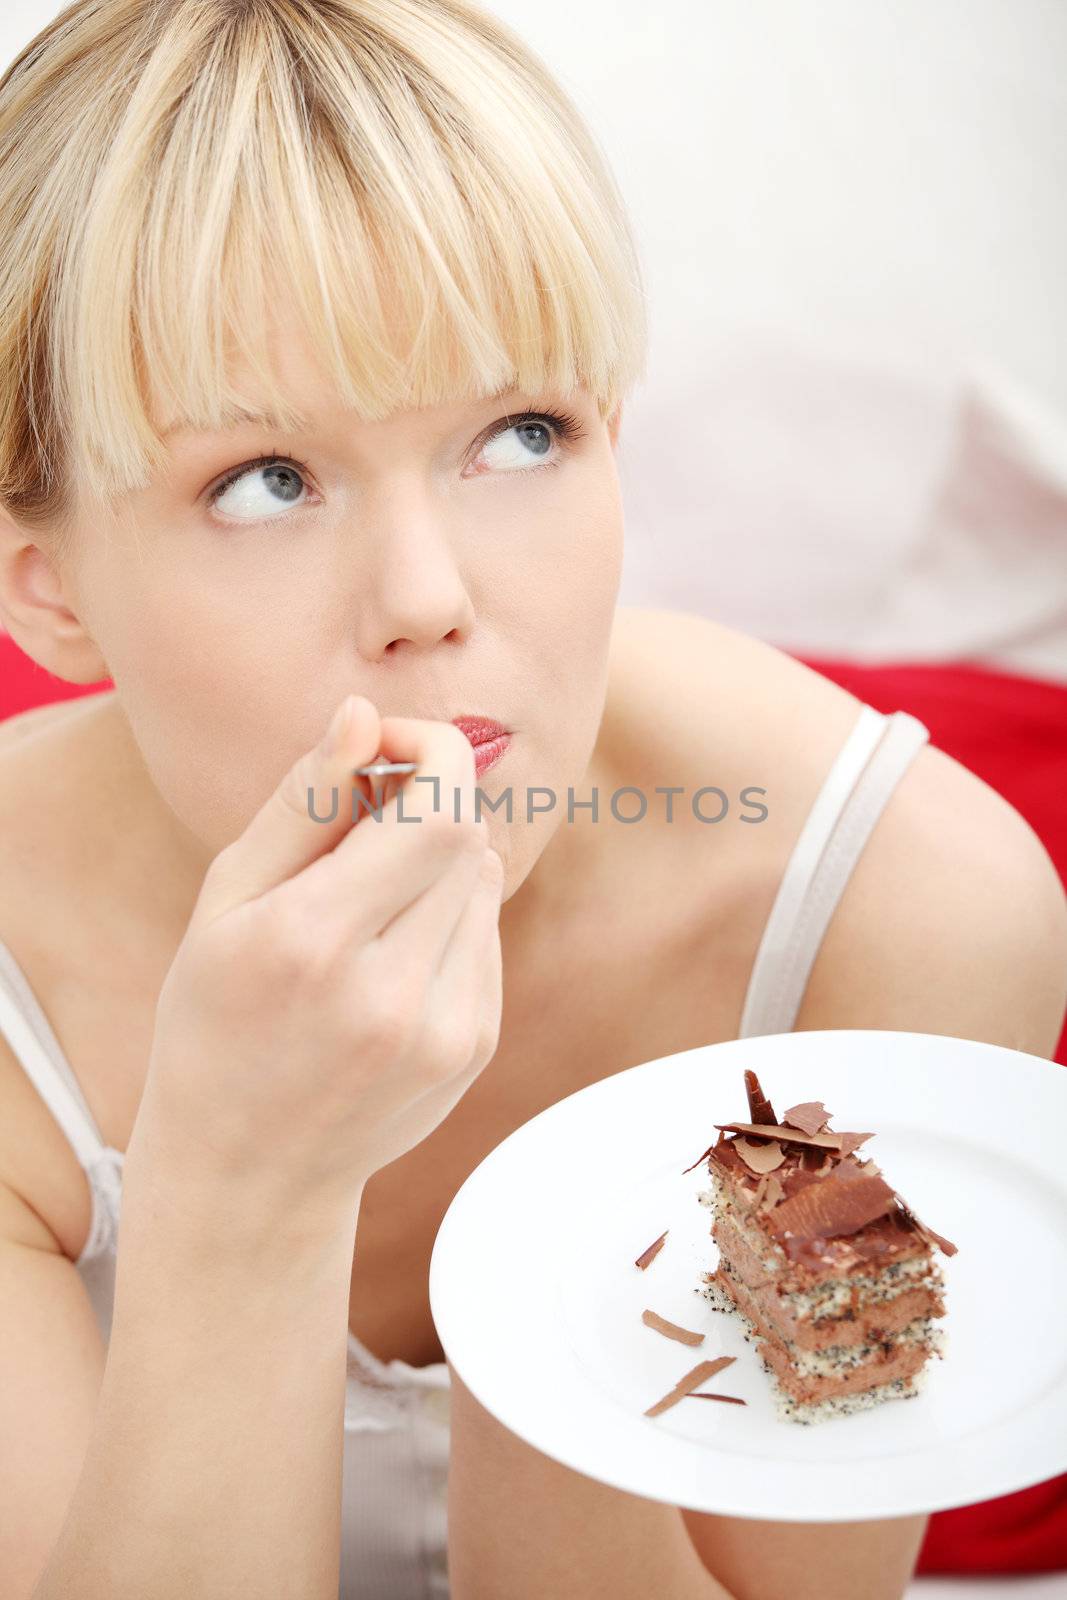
x=34 y=610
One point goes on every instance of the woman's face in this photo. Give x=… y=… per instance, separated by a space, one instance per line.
x=461 y=559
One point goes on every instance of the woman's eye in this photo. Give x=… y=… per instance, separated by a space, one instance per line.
x=256 y=492
x=521 y=446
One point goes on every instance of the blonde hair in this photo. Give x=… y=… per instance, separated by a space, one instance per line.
x=407 y=173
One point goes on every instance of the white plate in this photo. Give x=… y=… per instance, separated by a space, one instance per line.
x=538 y=1304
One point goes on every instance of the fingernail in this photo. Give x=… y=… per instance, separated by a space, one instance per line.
x=335 y=733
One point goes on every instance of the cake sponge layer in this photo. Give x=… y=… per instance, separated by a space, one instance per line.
x=883 y=1304
x=813 y=1386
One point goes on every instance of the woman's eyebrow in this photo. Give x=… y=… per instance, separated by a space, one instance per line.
x=240 y=417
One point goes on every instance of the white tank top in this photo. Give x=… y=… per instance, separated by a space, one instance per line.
x=394 y=1476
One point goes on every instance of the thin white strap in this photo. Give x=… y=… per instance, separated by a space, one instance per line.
x=30 y=1035
x=868 y=767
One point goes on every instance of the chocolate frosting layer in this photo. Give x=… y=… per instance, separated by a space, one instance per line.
x=827 y=1209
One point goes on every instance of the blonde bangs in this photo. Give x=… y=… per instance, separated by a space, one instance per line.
x=403 y=177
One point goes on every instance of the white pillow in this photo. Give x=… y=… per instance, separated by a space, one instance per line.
x=986 y=577
x=776 y=484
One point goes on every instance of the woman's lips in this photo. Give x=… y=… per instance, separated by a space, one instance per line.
x=490 y=739
x=489 y=751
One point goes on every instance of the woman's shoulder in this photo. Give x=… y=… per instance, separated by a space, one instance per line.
x=22 y=725
x=705 y=696
x=44 y=1198
x=45 y=757
x=692 y=690
x=46 y=791
x=951 y=878
x=704 y=704
x=743 y=735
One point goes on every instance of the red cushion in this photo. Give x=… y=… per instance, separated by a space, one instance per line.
x=1012 y=732
x=24 y=684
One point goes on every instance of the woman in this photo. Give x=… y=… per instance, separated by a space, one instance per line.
x=318 y=317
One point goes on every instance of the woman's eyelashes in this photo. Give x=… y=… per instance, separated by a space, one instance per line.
x=268 y=489
x=531 y=440
x=284 y=476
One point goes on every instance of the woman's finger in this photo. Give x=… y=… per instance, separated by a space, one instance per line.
x=468 y=986
x=381 y=867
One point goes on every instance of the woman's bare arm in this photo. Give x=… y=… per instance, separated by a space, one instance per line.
x=213 y=1464
x=324 y=1012
x=525 y=1526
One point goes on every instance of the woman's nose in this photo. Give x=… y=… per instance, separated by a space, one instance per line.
x=417 y=594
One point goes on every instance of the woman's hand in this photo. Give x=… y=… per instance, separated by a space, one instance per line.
x=338 y=987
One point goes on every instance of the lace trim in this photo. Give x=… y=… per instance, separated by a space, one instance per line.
x=382 y=1394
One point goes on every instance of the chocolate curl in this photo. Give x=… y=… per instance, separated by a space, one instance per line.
x=843 y=1144
x=759 y=1157
x=692 y=1380
x=928 y=1233
x=699 y=1159
x=766 y=1130
x=652 y=1319
x=731 y=1399
x=830 y=1209
x=759 y=1107
x=852 y=1141
x=648 y=1256
x=810 y=1117
x=749 y=1199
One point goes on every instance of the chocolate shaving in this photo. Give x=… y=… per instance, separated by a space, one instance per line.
x=928 y=1233
x=731 y=1399
x=848 y=1170
x=773 y=1193
x=699 y=1159
x=692 y=1380
x=793 y=1182
x=830 y=1208
x=812 y=1159
x=649 y=1255
x=764 y=1130
x=760 y=1157
x=652 y=1319
x=810 y=1117
x=852 y=1141
x=759 y=1107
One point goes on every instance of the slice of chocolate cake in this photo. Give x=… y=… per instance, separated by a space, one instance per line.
x=832 y=1273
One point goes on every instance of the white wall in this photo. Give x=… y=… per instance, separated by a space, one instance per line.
x=871 y=173
x=852 y=215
